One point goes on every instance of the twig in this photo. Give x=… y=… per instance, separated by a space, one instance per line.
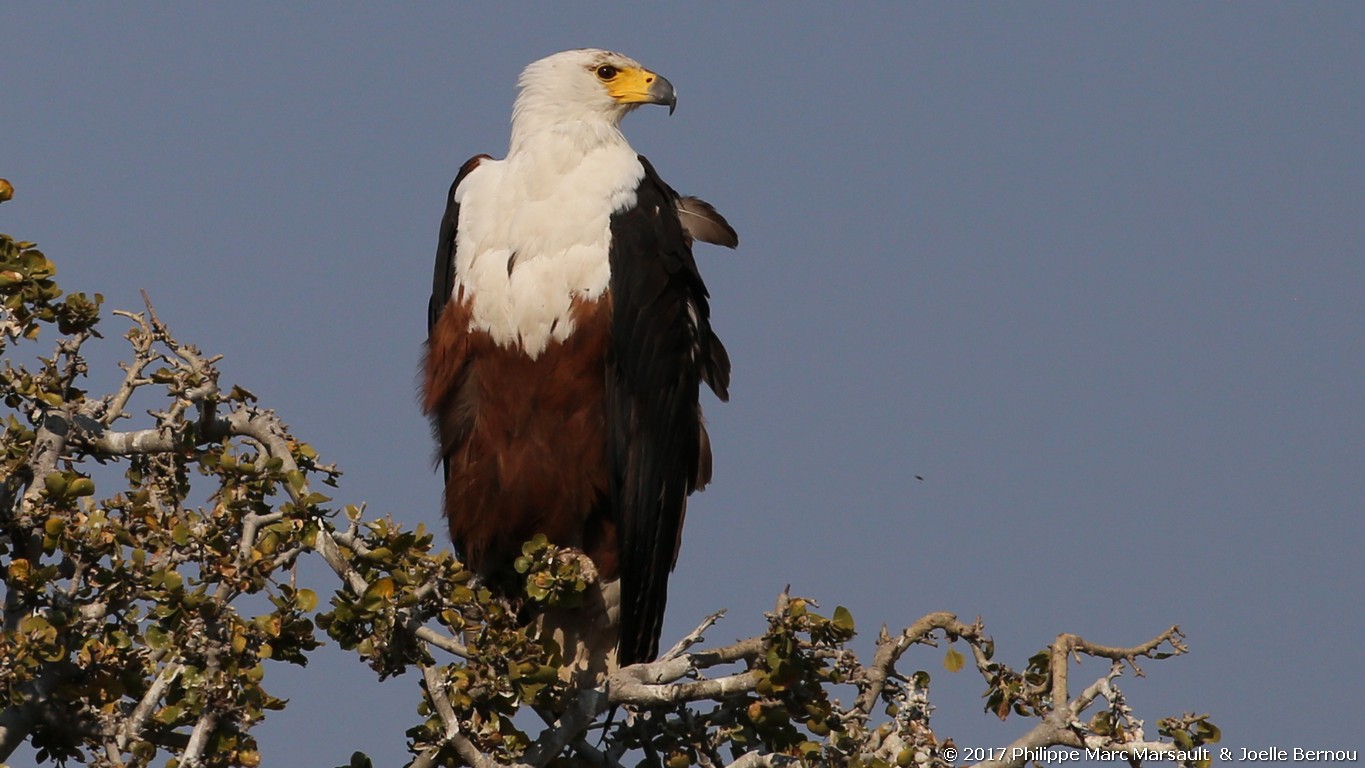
x=890 y=649
x=759 y=760
x=138 y=717
x=693 y=637
x=462 y=745
x=1067 y=644
x=199 y=738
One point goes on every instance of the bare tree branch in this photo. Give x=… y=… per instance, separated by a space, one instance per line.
x=199 y=737
x=890 y=649
x=693 y=637
x=137 y=719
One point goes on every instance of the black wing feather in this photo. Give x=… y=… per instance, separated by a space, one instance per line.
x=443 y=279
x=450 y=424
x=661 y=352
x=701 y=221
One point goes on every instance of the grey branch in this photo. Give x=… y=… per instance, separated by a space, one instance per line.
x=693 y=637
x=1062 y=726
x=760 y=760
x=890 y=649
x=138 y=718
x=1066 y=645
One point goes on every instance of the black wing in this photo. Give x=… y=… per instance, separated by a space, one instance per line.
x=443 y=280
x=449 y=423
x=662 y=349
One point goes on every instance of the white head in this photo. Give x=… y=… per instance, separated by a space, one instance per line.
x=585 y=85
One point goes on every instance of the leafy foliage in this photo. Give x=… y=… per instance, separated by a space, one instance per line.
x=142 y=610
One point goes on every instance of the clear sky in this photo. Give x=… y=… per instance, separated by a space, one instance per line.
x=1095 y=272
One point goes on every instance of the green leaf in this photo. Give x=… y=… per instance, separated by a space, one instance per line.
x=55 y=484
x=953 y=661
x=307 y=600
x=241 y=395
x=81 y=486
x=295 y=479
x=157 y=638
x=169 y=715
x=1183 y=740
x=34 y=625
x=378 y=593
x=381 y=555
x=19 y=569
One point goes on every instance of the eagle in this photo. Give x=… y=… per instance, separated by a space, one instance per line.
x=569 y=334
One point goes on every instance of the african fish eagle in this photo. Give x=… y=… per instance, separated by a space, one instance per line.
x=568 y=335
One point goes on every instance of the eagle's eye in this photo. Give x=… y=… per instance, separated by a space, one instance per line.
x=607 y=72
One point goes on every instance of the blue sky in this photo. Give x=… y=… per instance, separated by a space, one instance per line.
x=1093 y=271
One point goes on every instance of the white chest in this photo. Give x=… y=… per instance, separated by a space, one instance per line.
x=535 y=234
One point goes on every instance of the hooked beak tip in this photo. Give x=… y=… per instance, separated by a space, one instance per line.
x=661 y=92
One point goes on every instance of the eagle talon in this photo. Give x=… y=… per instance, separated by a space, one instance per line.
x=587 y=569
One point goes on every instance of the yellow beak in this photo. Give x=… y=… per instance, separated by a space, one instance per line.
x=640 y=86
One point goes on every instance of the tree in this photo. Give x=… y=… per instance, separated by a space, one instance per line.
x=140 y=622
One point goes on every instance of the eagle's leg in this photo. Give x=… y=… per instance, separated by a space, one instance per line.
x=587 y=634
